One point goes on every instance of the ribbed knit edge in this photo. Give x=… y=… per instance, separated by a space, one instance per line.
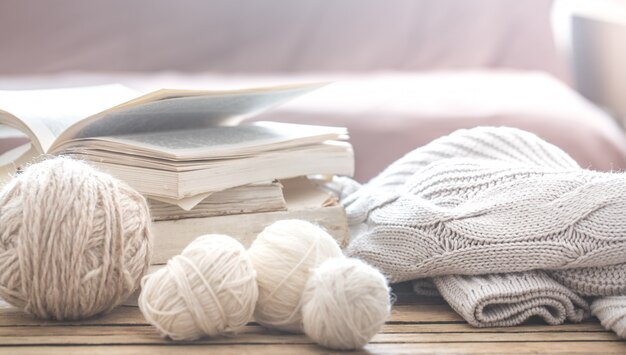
x=510 y=299
x=611 y=311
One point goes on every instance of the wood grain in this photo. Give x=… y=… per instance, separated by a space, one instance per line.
x=418 y=325
x=574 y=348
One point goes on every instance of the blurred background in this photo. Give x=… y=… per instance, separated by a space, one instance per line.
x=405 y=71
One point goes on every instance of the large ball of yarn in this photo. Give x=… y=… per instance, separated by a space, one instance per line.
x=210 y=289
x=74 y=242
x=345 y=303
x=283 y=255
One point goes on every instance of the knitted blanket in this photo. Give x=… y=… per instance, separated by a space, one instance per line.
x=505 y=225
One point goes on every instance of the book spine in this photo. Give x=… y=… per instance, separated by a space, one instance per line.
x=171 y=237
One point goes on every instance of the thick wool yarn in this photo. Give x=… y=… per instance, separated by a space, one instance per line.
x=283 y=255
x=495 y=200
x=208 y=290
x=74 y=242
x=345 y=303
x=304 y=283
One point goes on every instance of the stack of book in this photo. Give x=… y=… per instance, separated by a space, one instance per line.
x=202 y=169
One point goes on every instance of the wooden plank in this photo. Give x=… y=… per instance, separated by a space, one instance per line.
x=418 y=326
x=608 y=348
x=304 y=349
x=62 y=328
x=144 y=335
x=131 y=315
x=483 y=337
x=521 y=348
x=10 y=317
x=92 y=335
x=466 y=328
x=149 y=337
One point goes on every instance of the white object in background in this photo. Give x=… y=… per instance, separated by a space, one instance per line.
x=592 y=35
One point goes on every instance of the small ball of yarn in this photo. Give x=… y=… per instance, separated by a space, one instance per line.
x=345 y=303
x=74 y=242
x=283 y=255
x=210 y=289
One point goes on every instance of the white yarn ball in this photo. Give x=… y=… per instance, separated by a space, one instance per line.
x=283 y=255
x=210 y=289
x=345 y=303
x=74 y=242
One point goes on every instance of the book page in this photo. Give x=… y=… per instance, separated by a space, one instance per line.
x=185 y=203
x=170 y=110
x=302 y=193
x=13 y=160
x=211 y=143
x=7 y=132
x=44 y=114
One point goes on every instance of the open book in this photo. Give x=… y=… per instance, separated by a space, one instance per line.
x=175 y=145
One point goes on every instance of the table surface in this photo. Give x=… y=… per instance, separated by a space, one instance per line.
x=419 y=325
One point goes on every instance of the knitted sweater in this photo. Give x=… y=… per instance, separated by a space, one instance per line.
x=495 y=200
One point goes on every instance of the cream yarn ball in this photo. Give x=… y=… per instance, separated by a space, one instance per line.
x=283 y=255
x=210 y=289
x=345 y=303
x=74 y=242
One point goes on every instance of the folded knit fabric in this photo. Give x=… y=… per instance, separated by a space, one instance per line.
x=501 y=300
x=612 y=313
x=495 y=200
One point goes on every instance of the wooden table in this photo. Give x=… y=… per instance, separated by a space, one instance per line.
x=418 y=325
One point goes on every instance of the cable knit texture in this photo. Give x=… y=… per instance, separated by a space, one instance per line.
x=495 y=200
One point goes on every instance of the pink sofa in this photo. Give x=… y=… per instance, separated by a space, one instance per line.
x=405 y=72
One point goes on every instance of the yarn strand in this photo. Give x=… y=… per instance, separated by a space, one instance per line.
x=74 y=242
